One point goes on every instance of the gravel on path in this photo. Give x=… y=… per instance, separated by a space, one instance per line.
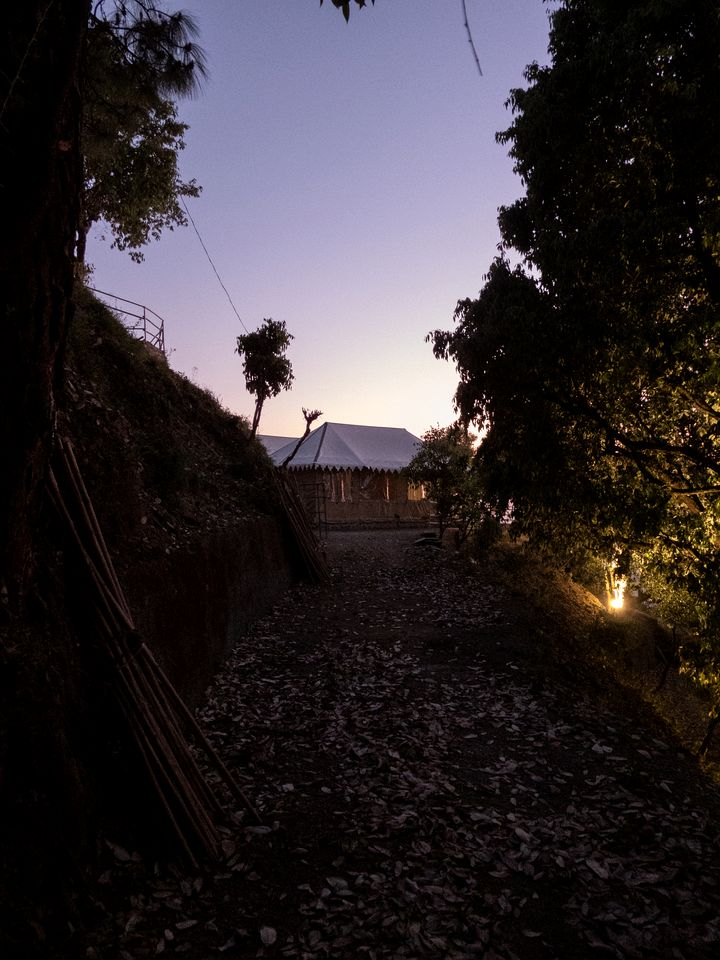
x=429 y=789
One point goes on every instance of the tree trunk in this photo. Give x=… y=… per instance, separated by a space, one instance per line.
x=40 y=178
x=256 y=416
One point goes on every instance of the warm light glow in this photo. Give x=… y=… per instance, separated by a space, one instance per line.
x=618 y=594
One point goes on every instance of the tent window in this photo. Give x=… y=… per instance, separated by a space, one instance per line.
x=416 y=491
x=341 y=486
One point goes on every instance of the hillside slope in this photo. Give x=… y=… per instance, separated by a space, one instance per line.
x=165 y=458
x=624 y=656
x=186 y=499
x=187 y=505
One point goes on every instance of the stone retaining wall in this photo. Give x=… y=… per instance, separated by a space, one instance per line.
x=192 y=604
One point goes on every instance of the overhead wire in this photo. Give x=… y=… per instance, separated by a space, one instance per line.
x=197 y=232
x=470 y=38
x=210 y=261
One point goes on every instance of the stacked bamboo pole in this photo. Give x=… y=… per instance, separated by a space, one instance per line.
x=157 y=720
x=300 y=526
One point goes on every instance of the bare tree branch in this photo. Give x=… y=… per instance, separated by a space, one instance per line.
x=310 y=418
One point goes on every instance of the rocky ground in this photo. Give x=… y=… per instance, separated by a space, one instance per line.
x=430 y=787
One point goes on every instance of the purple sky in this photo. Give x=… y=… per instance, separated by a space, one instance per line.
x=350 y=187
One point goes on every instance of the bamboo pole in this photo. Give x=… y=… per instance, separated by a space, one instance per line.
x=300 y=526
x=93 y=526
x=189 y=717
x=154 y=732
x=153 y=710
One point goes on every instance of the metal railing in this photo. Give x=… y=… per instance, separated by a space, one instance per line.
x=145 y=325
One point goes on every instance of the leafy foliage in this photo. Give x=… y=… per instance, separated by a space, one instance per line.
x=344 y=5
x=594 y=365
x=266 y=368
x=140 y=59
x=444 y=464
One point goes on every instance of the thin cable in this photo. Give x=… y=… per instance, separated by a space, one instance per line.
x=470 y=38
x=213 y=265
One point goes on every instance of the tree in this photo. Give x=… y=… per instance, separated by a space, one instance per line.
x=310 y=416
x=344 y=5
x=444 y=465
x=140 y=59
x=266 y=368
x=595 y=365
x=40 y=179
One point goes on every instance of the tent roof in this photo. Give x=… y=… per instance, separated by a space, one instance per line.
x=346 y=446
x=272 y=444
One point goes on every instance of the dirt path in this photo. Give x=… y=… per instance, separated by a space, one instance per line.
x=430 y=790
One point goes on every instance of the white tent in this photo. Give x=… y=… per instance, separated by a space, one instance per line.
x=346 y=446
x=272 y=444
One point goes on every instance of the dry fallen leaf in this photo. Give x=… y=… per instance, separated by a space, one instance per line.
x=445 y=801
x=268 y=935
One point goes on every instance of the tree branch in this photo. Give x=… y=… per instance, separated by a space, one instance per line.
x=682 y=547
x=700 y=404
x=310 y=417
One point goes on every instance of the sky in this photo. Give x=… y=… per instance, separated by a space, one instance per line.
x=350 y=186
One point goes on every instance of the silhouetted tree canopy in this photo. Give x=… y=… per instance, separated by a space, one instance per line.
x=140 y=61
x=266 y=368
x=594 y=365
x=444 y=464
x=344 y=5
